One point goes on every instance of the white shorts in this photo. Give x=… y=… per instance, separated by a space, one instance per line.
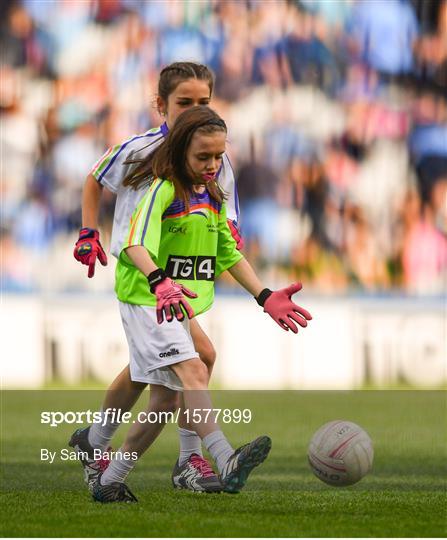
x=154 y=347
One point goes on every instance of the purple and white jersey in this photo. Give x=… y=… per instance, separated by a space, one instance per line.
x=110 y=172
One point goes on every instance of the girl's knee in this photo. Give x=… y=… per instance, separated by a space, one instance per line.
x=163 y=400
x=208 y=356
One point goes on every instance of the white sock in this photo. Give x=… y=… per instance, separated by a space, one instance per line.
x=218 y=446
x=99 y=436
x=190 y=443
x=118 y=470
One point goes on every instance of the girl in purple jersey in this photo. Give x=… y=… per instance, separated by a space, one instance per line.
x=182 y=85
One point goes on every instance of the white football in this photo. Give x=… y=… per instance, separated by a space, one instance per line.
x=340 y=453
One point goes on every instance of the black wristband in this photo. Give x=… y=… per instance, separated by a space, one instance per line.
x=156 y=277
x=262 y=297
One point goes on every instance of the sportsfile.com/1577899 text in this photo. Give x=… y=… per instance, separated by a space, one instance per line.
x=112 y=415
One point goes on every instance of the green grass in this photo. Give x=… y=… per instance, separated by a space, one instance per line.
x=404 y=495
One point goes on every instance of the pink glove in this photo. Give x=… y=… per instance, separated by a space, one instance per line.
x=279 y=305
x=88 y=248
x=170 y=297
x=236 y=234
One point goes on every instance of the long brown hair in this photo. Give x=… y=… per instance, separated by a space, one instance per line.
x=169 y=159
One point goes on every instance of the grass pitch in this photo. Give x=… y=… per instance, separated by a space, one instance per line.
x=404 y=495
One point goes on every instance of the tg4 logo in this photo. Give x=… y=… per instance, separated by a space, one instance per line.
x=192 y=267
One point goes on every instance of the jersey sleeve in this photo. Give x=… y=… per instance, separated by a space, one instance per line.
x=111 y=169
x=228 y=183
x=227 y=254
x=145 y=224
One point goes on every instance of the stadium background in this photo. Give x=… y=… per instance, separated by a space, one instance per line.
x=338 y=137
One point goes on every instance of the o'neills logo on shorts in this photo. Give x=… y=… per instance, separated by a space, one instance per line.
x=172 y=352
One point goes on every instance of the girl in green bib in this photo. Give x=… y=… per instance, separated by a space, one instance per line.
x=178 y=242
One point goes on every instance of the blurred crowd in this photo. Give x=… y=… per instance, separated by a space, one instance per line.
x=337 y=114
